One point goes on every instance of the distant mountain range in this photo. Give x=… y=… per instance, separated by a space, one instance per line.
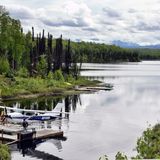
x=134 y=45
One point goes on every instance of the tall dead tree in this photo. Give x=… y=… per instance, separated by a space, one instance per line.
x=33 y=34
x=43 y=47
x=49 y=52
x=31 y=54
x=37 y=49
x=67 y=57
x=58 y=54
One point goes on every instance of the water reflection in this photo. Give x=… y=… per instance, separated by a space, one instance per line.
x=107 y=122
x=100 y=78
x=47 y=104
x=67 y=104
x=36 y=104
x=28 y=148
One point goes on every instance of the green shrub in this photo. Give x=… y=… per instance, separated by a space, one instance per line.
x=148 y=145
x=23 y=72
x=6 y=91
x=50 y=75
x=103 y=157
x=33 y=85
x=4 y=65
x=10 y=74
x=58 y=76
x=42 y=66
x=4 y=152
x=69 y=78
x=121 y=156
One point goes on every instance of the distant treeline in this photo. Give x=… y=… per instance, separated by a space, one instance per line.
x=102 y=53
x=148 y=54
x=40 y=54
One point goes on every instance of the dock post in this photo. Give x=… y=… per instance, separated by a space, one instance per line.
x=34 y=133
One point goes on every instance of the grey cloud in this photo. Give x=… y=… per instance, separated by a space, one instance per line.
x=131 y=30
x=91 y=29
x=131 y=10
x=25 y=13
x=111 y=29
x=21 y=12
x=78 y=22
x=109 y=23
x=142 y=26
x=81 y=22
x=56 y=23
x=95 y=39
x=111 y=12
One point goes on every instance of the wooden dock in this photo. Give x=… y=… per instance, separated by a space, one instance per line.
x=10 y=133
x=93 y=89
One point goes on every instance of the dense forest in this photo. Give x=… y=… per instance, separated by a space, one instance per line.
x=148 y=53
x=101 y=53
x=34 y=53
x=40 y=54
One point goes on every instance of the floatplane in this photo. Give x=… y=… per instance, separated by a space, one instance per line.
x=15 y=114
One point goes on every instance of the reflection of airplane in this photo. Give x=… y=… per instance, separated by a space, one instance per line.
x=29 y=150
x=56 y=142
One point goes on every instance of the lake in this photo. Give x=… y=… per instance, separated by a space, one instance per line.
x=104 y=122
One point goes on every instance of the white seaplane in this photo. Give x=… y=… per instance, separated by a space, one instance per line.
x=15 y=114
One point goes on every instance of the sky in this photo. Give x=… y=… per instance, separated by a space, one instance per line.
x=101 y=21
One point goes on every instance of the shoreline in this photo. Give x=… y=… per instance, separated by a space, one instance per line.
x=23 y=88
x=38 y=95
x=81 y=90
x=18 y=88
x=92 y=87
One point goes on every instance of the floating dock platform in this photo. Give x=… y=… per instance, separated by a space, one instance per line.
x=11 y=133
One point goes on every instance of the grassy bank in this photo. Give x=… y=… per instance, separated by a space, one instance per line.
x=19 y=87
x=4 y=152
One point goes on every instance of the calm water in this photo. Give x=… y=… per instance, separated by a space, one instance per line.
x=104 y=122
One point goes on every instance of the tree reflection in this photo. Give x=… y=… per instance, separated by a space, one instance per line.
x=67 y=104
x=28 y=148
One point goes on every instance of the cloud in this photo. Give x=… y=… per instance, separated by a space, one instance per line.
x=131 y=10
x=142 y=26
x=20 y=12
x=134 y=21
x=68 y=23
x=107 y=22
x=110 y=12
x=76 y=8
x=94 y=39
x=72 y=15
x=91 y=29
